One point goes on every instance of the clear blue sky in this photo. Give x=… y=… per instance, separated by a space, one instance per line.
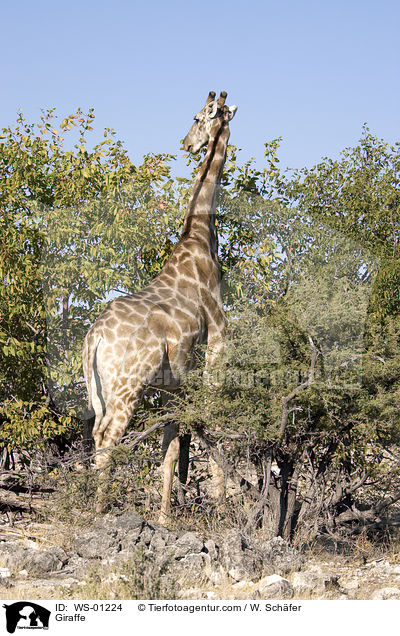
x=309 y=71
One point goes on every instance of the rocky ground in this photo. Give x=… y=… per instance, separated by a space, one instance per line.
x=128 y=557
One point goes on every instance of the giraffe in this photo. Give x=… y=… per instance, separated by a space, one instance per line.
x=154 y=331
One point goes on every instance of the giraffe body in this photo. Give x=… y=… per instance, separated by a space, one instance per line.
x=148 y=338
x=145 y=339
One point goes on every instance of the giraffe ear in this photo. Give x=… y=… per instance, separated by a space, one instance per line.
x=232 y=112
x=212 y=109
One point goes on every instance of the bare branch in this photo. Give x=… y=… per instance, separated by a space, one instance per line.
x=304 y=385
x=350 y=361
x=344 y=490
x=263 y=497
x=226 y=466
x=139 y=437
x=227 y=435
x=389 y=501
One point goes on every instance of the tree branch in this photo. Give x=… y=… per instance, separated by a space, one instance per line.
x=304 y=385
x=229 y=470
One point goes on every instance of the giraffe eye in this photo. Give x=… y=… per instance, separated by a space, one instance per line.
x=196 y=119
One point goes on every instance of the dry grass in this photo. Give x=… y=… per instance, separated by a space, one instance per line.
x=70 y=510
x=134 y=579
x=31 y=592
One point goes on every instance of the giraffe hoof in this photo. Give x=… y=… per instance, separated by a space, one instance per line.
x=165 y=520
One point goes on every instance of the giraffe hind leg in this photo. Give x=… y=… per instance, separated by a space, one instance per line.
x=109 y=431
x=99 y=411
x=113 y=424
x=122 y=394
x=98 y=398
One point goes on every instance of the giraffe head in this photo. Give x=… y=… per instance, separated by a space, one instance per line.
x=207 y=121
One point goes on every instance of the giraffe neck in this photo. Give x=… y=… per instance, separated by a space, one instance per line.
x=200 y=216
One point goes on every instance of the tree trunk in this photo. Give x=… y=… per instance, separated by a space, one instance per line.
x=6 y=459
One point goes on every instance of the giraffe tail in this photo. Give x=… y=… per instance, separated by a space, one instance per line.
x=90 y=370
x=89 y=363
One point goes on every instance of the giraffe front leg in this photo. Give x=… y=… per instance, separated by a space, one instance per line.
x=177 y=359
x=169 y=466
x=218 y=481
x=214 y=354
x=215 y=347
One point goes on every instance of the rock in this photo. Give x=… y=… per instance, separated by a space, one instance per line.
x=129 y=527
x=216 y=575
x=309 y=581
x=386 y=593
x=157 y=541
x=242 y=584
x=249 y=560
x=238 y=559
x=245 y=590
x=40 y=562
x=78 y=567
x=170 y=537
x=97 y=544
x=190 y=568
x=275 y=586
x=314 y=581
x=35 y=562
x=111 y=534
x=128 y=522
x=130 y=538
x=279 y=557
x=12 y=555
x=349 y=587
x=188 y=543
x=375 y=563
x=212 y=549
x=212 y=596
x=164 y=560
x=146 y=535
x=4 y=573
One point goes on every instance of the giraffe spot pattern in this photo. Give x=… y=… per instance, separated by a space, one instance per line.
x=155 y=329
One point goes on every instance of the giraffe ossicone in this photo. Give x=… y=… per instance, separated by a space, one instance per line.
x=136 y=337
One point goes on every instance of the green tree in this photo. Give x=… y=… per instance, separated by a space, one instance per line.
x=59 y=201
x=298 y=390
x=358 y=195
